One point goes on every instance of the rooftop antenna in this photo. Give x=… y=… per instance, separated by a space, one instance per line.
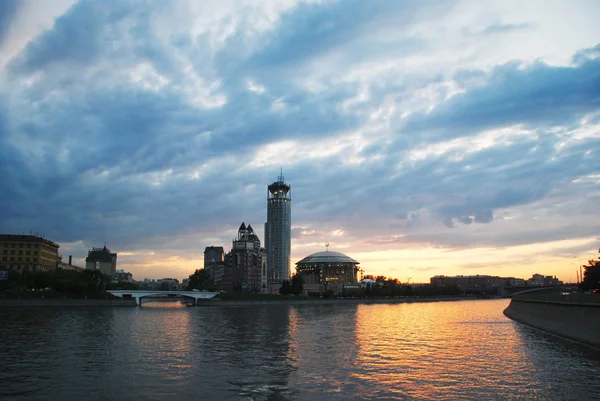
x=327 y=247
x=281 y=174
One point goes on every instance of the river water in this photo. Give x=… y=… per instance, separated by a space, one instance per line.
x=425 y=351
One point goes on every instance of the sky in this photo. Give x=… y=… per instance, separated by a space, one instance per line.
x=420 y=138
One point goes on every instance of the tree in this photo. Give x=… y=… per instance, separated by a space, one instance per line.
x=199 y=280
x=297 y=284
x=591 y=276
x=286 y=287
x=122 y=285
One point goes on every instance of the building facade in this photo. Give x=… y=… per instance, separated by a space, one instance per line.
x=102 y=259
x=278 y=229
x=491 y=284
x=323 y=271
x=244 y=268
x=213 y=254
x=214 y=259
x=540 y=280
x=69 y=265
x=27 y=253
x=123 y=276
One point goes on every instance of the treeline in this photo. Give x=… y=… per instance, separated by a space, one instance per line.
x=402 y=290
x=68 y=282
x=200 y=280
x=591 y=276
x=293 y=286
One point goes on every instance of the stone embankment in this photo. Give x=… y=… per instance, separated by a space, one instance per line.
x=573 y=316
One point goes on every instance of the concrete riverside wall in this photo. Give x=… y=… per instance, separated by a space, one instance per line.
x=576 y=316
x=65 y=303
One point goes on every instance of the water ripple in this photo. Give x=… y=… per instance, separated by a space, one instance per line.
x=443 y=350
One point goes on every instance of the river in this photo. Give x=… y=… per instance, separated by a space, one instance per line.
x=425 y=351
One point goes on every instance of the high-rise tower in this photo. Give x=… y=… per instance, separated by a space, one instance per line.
x=278 y=229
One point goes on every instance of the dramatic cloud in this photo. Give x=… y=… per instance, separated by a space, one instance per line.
x=421 y=138
x=8 y=9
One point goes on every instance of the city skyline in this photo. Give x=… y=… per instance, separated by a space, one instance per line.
x=429 y=138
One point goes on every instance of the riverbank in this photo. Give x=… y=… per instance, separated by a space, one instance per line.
x=65 y=303
x=575 y=317
x=68 y=303
x=326 y=301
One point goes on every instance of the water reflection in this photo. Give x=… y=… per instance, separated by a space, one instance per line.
x=254 y=343
x=330 y=334
x=36 y=343
x=445 y=350
x=557 y=375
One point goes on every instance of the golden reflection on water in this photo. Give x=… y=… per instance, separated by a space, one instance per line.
x=165 y=337
x=422 y=350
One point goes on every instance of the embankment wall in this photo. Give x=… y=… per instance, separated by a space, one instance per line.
x=576 y=317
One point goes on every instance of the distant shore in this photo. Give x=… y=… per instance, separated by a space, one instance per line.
x=72 y=303
x=65 y=303
x=327 y=301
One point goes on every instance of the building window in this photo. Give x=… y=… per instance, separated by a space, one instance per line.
x=20 y=259
x=20 y=252
x=12 y=252
x=20 y=245
x=28 y=245
x=27 y=252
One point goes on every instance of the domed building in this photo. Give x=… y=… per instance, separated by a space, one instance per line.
x=327 y=270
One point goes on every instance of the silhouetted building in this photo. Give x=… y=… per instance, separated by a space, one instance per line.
x=166 y=284
x=214 y=259
x=123 y=276
x=102 y=259
x=278 y=229
x=244 y=268
x=327 y=270
x=539 y=280
x=68 y=265
x=468 y=282
x=27 y=253
x=491 y=284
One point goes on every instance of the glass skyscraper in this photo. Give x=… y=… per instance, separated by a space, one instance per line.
x=278 y=230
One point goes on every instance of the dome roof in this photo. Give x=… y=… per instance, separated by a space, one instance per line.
x=327 y=257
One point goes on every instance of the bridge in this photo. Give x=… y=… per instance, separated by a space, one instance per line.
x=139 y=294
